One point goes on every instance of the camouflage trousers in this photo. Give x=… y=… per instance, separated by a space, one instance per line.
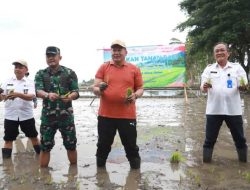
x=49 y=127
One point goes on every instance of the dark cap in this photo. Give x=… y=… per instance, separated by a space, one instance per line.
x=52 y=50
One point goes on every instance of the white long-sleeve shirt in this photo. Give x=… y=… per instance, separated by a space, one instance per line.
x=223 y=100
x=18 y=108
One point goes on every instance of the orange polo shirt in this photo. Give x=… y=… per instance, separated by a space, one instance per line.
x=119 y=79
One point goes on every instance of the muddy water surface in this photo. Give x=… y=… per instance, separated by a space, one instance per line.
x=164 y=125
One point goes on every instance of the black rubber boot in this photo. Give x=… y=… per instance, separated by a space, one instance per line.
x=242 y=154
x=6 y=152
x=37 y=149
x=135 y=163
x=207 y=154
x=100 y=162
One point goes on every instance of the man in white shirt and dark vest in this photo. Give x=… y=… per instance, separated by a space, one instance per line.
x=18 y=93
x=222 y=81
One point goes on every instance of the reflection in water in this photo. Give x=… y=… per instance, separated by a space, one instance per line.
x=46 y=177
x=225 y=164
x=104 y=182
x=175 y=166
x=133 y=180
x=72 y=177
x=102 y=178
x=8 y=167
x=19 y=145
x=164 y=125
x=29 y=146
x=24 y=173
x=16 y=171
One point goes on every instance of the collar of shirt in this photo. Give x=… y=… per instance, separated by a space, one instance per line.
x=51 y=72
x=228 y=65
x=124 y=63
x=23 y=79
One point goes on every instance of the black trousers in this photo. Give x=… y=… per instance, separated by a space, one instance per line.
x=11 y=130
x=126 y=128
x=234 y=123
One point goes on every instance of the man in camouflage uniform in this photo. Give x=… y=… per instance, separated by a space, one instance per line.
x=57 y=86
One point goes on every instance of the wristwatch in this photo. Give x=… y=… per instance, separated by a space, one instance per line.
x=46 y=95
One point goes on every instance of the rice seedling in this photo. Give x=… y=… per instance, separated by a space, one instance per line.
x=246 y=176
x=129 y=92
x=176 y=157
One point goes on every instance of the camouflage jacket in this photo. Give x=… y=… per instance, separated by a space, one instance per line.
x=61 y=82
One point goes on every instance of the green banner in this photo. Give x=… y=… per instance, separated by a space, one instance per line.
x=161 y=65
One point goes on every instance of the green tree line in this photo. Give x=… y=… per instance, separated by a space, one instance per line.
x=209 y=22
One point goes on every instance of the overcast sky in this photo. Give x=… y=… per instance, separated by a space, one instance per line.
x=79 y=28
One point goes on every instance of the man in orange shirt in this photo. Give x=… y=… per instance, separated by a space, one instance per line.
x=119 y=84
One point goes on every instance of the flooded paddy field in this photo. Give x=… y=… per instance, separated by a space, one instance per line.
x=164 y=125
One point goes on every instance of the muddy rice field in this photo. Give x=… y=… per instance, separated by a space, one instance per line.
x=164 y=126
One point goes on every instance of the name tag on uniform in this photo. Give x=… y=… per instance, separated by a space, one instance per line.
x=229 y=83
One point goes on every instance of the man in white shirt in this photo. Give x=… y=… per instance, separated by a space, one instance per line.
x=222 y=81
x=18 y=93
